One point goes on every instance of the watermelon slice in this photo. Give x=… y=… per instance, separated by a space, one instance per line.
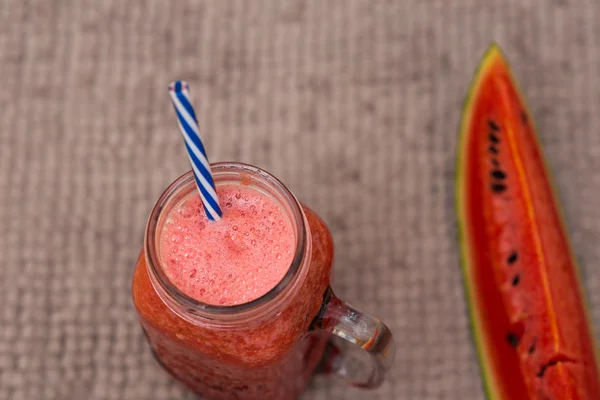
x=528 y=312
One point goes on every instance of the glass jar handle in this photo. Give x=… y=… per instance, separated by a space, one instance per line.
x=367 y=350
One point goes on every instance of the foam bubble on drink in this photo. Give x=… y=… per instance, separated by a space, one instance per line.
x=235 y=260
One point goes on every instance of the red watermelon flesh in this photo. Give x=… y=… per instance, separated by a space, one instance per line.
x=528 y=310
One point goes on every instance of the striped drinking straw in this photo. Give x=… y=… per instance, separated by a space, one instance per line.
x=188 y=125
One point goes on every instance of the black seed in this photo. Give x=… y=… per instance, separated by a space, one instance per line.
x=494 y=138
x=516 y=280
x=493 y=150
x=531 y=348
x=498 y=174
x=493 y=125
x=495 y=162
x=512 y=339
x=524 y=117
x=498 y=187
x=512 y=258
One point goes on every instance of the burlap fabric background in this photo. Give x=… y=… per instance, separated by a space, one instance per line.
x=354 y=104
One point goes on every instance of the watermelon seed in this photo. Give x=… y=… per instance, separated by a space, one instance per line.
x=498 y=174
x=498 y=187
x=531 y=348
x=512 y=339
x=516 y=280
x=493 y=150
x=493 y=125
x=512 y=258
x=524 y=117
x=494 y=138
x=495 y=162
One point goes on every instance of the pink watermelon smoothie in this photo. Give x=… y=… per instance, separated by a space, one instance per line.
x=267 y=351
x=232 y=261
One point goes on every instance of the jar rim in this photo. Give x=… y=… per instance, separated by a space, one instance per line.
x=194 y=310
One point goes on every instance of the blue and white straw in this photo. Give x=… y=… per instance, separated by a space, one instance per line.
x=186 y=117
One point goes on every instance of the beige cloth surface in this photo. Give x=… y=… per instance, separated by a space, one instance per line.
x=354 y=104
